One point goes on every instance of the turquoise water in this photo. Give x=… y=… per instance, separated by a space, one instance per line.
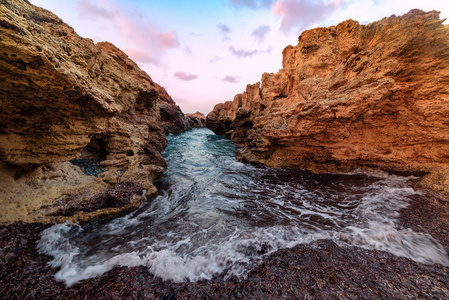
x=217 y=215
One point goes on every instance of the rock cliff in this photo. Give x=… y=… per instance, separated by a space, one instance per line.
x=62 y=97
x=351 y=96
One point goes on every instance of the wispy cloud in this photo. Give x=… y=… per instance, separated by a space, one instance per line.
x=141 y=56
x=91 y=10
x=231 y=79
x=184 y=76
x=253 y=4
x=138 y=37
x=224 y=31
x=245 y=53
x=301 y=14
x=260 y=33
x=215 y=59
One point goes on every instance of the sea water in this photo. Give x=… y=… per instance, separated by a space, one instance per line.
x=215 y=215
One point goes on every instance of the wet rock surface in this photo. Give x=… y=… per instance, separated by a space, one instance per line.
x=321 y=270
x=89 y=166
x=118 y=196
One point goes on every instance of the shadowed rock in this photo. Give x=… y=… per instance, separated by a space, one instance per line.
x=196 y=120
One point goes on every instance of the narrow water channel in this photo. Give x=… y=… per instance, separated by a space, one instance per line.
x=215 y=214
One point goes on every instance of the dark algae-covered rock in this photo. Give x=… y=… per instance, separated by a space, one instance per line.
x=82 y=130
x=118 y=196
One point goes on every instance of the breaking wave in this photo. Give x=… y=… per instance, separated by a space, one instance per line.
x=215 y=215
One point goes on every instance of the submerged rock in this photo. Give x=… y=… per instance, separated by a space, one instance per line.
x=351 y=96
x=63 y=98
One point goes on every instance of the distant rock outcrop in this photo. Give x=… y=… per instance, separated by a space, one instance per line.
x=173 y=119
x=196 y=120
x=351 y=96
x=62 y=97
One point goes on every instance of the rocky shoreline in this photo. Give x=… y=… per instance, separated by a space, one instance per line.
x=351 y=96
x=320 y=270
x=70 y=103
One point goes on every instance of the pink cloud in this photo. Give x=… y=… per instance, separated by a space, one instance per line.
x=168 y=39
x=301 y=14
x=141 y=56
x=184 y=76
x=141 y=39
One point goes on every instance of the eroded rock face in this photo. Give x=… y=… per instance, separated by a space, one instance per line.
x=196 y=120
x=64 y=97
x=350 y=96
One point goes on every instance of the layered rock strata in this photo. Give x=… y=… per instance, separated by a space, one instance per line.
x=63 y=97
x=351 y=96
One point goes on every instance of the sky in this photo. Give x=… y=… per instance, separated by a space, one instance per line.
x=205 y=52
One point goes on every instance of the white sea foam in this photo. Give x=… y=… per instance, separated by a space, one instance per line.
x=241 y=249
x=235 y=255
x=55 y=242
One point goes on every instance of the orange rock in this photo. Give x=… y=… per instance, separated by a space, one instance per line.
x=64 y=97
x=350 y=96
